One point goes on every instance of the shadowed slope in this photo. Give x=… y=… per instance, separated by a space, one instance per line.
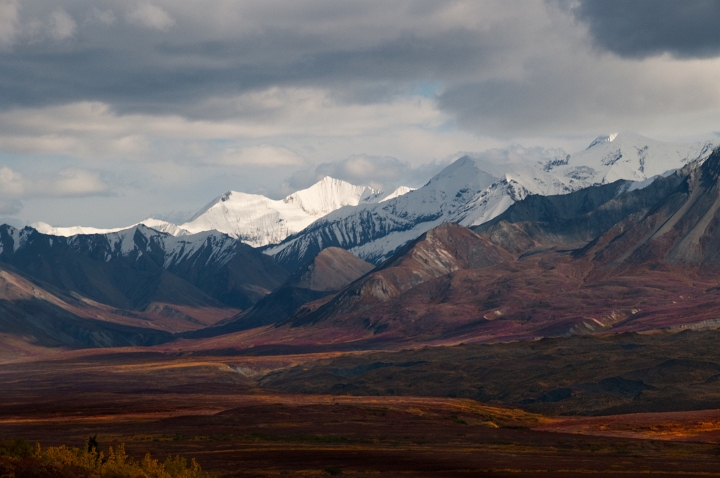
x=134 y=268
x=572 y=220
x=681 y=230
x=35 y=316
x=330 y=271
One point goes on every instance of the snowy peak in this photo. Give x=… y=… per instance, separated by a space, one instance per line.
x=252 y=218
x=329 y=194
x=259 y=221
x=630 y=156
x=603 y=139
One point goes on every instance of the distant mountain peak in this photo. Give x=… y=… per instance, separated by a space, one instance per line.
x=606 y=138
x=329 y=194
x=259 y=221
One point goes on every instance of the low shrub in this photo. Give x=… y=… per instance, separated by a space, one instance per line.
x=20 y=460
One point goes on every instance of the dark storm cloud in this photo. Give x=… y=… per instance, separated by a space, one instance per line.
x=641 y=28
x=163 y=64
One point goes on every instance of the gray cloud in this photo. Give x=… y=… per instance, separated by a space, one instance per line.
x=155 y=105
x=67 y=182
x=166 y=56
x=641 y=28
x=383 y=173
x=9 y=207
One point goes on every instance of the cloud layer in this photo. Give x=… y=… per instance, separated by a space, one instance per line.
x=160 y=105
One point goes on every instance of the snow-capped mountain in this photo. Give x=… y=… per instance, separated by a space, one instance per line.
x=472 y=191
x=258 y=220
x=131 y=242
x=253 y=218
x=608 y=158
x=157 y=224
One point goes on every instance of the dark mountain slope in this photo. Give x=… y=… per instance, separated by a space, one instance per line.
x=137 y=267
x=246 y=278
x=572 y=220
x=681 y=230
x=330 y=271
x=34 y=315
x=128 y=282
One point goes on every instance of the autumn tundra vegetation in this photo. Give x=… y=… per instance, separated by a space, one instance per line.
x=19 y=459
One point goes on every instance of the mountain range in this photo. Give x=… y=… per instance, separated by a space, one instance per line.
x=255 y=219
x=622 y=236
x=472 y=191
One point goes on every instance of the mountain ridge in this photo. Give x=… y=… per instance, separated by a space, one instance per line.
x=472 y=191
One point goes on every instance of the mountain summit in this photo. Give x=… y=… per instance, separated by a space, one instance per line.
x=258 y=220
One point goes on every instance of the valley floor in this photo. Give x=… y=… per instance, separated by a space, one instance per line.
x=230 y=413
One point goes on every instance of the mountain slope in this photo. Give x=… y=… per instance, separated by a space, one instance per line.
x=436 y=253
x=683 y=229
x=134 y=268
x=653 y=267
x=472 y=191
x=30 y=314
x=330 y=271
x=574 y=219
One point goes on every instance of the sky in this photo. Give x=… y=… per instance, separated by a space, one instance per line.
x=112 y=111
